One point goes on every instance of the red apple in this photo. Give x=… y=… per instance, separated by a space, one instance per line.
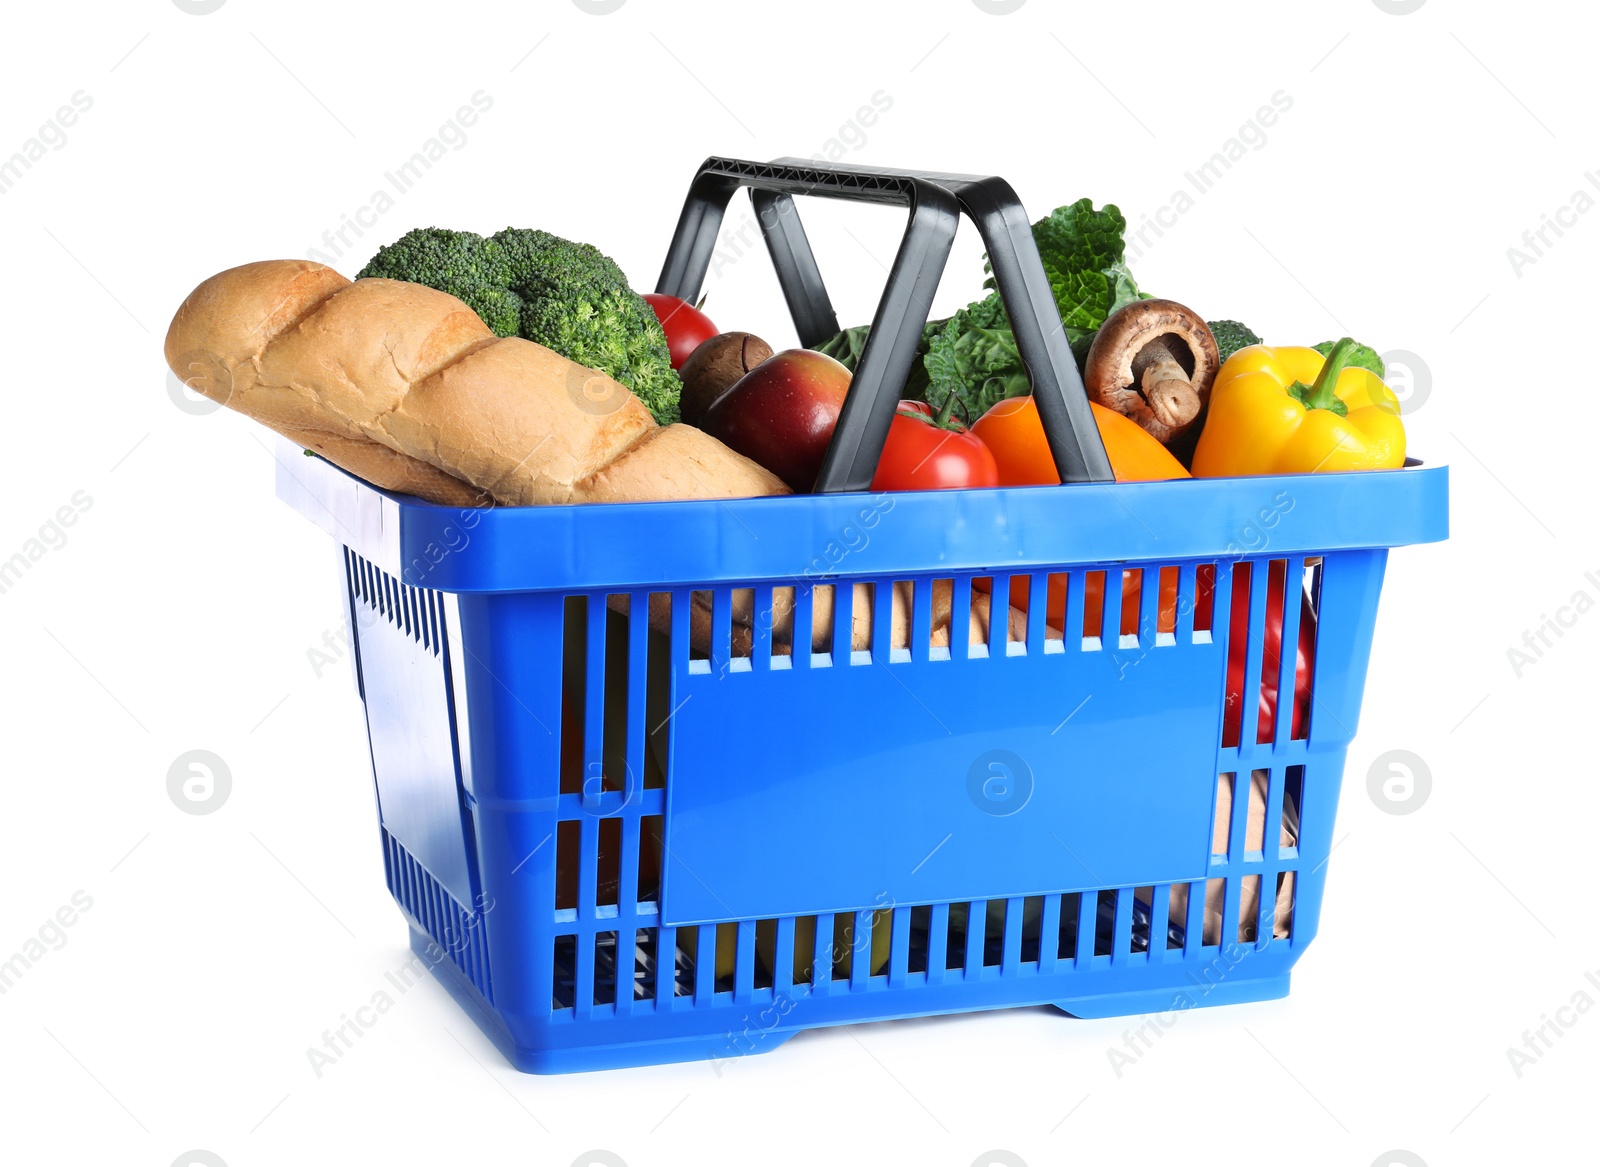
x=782 y=413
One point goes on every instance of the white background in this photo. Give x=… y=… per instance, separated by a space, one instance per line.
x=179 y=613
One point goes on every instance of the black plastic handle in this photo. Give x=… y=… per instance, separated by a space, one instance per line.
x=936 y=203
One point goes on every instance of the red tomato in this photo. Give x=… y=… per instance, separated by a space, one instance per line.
x=687 y=327
x=921 y=456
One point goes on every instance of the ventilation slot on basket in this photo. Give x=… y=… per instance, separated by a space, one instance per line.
x=863 y=627
x=805 y=949
x=982 y=615
x=645 y=972
x=783 y=644
x=1055 y=612
x=903 y=591
x=1017 y=630
x=844 y=927
x=574 y=656
x=745 y=618
x=569 y=834
x=649 y=885
x=658 y=709
x=1143 y=897
x=1132 y=593
x=1283 y=927
x=955 y=949
x=458 y=932
x=1222 y=820
x=917 y=952
x=614 y=773
x=1167 y=608
x=1032 y=922
x=564 y=993
x=994 y=933
x=940 y=617
x=1249 y=908
x=686 y=942
x=1255 y=830
x=1094 y=610
x=881 y=940
x=1293 y=791
x=726 y=948
x=1177 y=914
x=766 y=943
x=608 y=875
x=606 y=959
x=1105 y=922
x=1205 y=601
x=414 y=611
x=1067 y=933
x=700 y=624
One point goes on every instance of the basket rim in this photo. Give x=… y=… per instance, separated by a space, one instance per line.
x=619 y=547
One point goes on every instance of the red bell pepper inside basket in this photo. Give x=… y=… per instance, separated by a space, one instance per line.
x=1272 y=650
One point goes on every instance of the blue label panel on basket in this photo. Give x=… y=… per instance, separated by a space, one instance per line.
x=794 y=791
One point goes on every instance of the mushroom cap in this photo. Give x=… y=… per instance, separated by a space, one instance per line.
x=1108 y=373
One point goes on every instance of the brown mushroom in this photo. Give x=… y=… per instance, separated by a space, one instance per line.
x=1154 y=361
x=712 y=369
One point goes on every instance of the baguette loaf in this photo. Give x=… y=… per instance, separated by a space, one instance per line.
x=407 y=387
x=217 y=338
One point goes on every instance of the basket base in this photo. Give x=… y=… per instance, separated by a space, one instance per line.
x=1162 y=1001
x=694 y=1047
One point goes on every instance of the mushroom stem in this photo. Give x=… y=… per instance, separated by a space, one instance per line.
x=1166 y=387
x=1153 y=361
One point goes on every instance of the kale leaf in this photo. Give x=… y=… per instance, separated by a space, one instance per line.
x=974 y=357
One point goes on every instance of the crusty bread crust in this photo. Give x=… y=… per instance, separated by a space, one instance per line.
x=406 y=387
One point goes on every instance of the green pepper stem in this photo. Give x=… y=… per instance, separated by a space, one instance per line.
x=1322 y=395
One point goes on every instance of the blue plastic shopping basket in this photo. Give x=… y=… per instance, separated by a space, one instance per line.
x=631 y=819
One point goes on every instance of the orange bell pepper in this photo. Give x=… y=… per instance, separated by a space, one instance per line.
x=1012 y=431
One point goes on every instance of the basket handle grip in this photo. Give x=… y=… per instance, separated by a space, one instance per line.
x=936 y=202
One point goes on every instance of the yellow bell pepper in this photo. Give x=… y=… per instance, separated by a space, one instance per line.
x=1289 y=411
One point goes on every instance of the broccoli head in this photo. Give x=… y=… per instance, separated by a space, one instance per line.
x=1231 y=337
x=567 y=296
x=466 y=265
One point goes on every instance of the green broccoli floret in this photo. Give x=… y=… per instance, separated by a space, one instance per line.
x=576 y=301
x=466 y=265
x=566 y=296
x=1231 y=336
